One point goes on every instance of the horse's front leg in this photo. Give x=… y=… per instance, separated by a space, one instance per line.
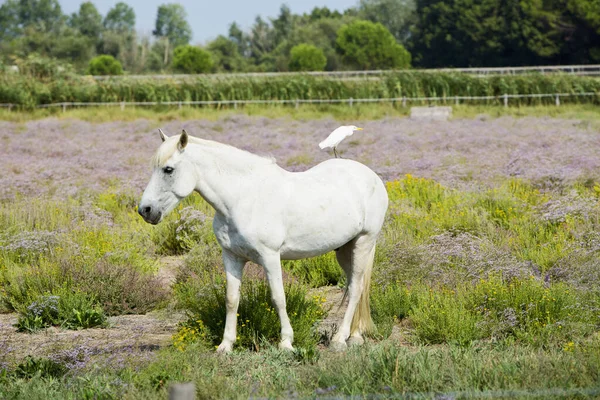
x=234 y=266
x=272 y=266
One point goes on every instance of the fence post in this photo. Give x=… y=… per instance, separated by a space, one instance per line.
x=235 y=104
x=557 y=100
x=122 y=105
x=296 y=104
x=180 y=105
x=404 y=101
x=350 y=101
x=456 y=100
x=505 y=100
x=182 y=391
x=64 y=107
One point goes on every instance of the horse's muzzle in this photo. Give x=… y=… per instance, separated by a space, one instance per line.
x=149 y=215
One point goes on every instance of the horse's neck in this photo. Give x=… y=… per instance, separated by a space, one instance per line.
x=226 y=174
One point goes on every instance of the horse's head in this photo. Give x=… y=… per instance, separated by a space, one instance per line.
x=173 y=179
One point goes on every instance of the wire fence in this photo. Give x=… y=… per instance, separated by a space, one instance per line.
x=589 y=70
x=404 y=101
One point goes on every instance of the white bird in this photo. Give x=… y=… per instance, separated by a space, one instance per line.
x=337 y=136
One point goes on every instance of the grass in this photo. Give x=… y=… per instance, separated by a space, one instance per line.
x=384 y=368
x=587 y=112
x=490 y=291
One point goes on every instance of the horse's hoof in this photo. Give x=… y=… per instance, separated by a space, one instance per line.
x=286 y=345
x=225 y=348
x=356 y=341
x=338 y=346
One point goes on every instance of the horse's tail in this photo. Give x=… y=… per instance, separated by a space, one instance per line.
x=362 y=321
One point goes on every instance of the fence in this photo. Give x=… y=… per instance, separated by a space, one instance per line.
x=404 y=101
x=590 y=70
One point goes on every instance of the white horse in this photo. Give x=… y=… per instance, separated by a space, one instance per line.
x=264 y=214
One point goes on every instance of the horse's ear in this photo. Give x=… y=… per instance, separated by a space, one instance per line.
x=162 y=135
x=183 y=140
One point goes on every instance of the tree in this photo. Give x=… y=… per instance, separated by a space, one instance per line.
x=88 y=20
x=261 y=41
x=398 y=16
x=241 y=40
x=10 y=23
x=368 y=45
x=464 y=33
x=192 y=60
x=120 y=18
x=105 y=65
x=42 y=15
x=226 y=55
x=171 y=23
x=306 y=57
x=283 y=25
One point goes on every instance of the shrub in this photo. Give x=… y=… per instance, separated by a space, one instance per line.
x=316 y=271
x=192 y=60
x=306 y=57
x=183 y=230
x=370 y=45
x=71 y=310
x=443 y=316
x=105 y=65
x=389 y=304
x=258 y=321
x=43 y=367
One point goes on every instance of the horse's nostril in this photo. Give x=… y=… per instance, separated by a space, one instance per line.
x=144 y=211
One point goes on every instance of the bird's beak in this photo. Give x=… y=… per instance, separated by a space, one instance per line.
x=359 y=129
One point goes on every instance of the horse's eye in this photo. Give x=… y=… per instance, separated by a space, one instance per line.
x=168 y=170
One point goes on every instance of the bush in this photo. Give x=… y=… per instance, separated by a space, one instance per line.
x=192 y=60
x=71 y=310
x=370 y=45
x=306 y=57
x=316 y=271
x=258 y=321
x=105 y=65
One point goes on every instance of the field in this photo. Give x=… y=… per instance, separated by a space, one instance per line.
x=486 y=282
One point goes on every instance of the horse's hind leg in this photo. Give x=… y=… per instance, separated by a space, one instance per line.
x=356 y=259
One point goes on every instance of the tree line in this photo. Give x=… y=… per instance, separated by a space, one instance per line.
x=375 y=34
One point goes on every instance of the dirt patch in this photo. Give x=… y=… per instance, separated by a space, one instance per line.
x=125 y=333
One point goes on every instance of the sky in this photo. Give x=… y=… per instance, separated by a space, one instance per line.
x=208 y=19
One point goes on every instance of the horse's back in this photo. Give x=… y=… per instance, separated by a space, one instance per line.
x=337 y=200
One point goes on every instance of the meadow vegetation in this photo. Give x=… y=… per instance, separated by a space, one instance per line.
x=26 y=91
x=490 y=287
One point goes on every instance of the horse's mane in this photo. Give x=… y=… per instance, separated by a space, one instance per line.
x=168 y=148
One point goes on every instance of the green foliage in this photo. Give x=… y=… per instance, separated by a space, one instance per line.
x=71 y=310
x=390 y=304
x=306 y=57
x=506 y=217
x=171 y=23
x=88 y=20
x=57 y=247
x=398 y=16
x=257 y=320
x=120 y=18
x=368 y=45
x=192 y=60
x=442 y=316
x=105 y=65
x=316 y=271
x=226 y=54
x=185 y=228
x=29 y=92
x=471 y=34
x=39 y=367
